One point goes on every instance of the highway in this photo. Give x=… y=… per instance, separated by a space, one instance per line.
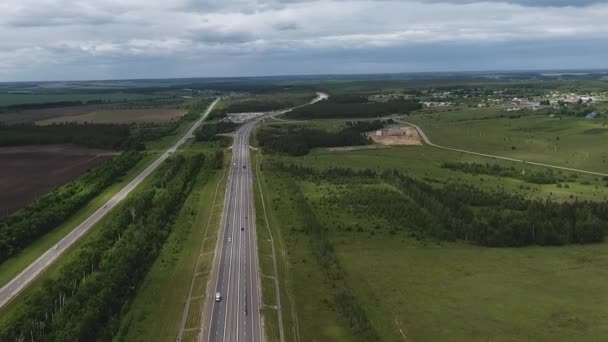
x=17 y=284
x=235 y=273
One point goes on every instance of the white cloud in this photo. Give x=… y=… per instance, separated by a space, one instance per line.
x=39 y=33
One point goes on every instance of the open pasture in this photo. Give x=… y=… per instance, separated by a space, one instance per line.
x=126 y=116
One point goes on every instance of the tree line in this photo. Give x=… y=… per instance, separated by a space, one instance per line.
x=297 y=140
x=322 y=248
x=92 y=291
x=107 y=136
x=539 y=176
x=209 y=131
x=26 y=225
x=458 y=211
x=353 y=107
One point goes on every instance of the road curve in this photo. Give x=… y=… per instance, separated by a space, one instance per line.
x=235 y=274
x=430 y=143
x=17 y=284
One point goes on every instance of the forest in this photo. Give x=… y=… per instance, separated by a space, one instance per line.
x=353 y=106
x=23 y=227
x=462 y=212
x=299 y=140
x=56 y=104
x=93 y=289
x=210 y=130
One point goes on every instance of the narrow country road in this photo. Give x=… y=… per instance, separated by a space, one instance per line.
x=17 y=284
x=430 y=143
x=232 y=311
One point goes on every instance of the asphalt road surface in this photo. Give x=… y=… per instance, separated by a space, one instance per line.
x=236 y=317
x=17 y=284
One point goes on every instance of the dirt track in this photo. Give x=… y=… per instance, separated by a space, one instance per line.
x=27 y=172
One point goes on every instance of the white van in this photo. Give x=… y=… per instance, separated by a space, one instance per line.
x=218 y=296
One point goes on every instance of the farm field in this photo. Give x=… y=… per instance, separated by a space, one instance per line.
x=40 y=114
x=29 y=172
x=562 y=141
x=17 y=99
x=119 y=116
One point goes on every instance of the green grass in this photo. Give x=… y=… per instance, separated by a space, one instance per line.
x=16 y=99
x=438 y=292
x=424 y=162
x=16 y=264
x=567 y=141
x=157 y=318
x=456 y=292
x=304 y=293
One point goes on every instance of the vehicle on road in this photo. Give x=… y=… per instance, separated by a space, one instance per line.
x=242 y=228
x=244 y=167
x=229 y=239
x=218 y=296
x=234 y=164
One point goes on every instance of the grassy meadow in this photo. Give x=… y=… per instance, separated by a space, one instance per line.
x=564 y=141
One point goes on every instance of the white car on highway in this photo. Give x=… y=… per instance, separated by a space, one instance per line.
x=218 y=296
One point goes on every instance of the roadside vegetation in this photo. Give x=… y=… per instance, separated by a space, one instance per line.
x=193 y=237
x=88 y=297
x=30 y=223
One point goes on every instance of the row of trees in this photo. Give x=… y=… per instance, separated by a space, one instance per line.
x=90 y=135
x=107 y=136
x=462 y=212
x=299 y=140
x=539 y=176
x=322 y=248
x=28 y=224
x=86 y=300
x=210 y=131
x=341 y=108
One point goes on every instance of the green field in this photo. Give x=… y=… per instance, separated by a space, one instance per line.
x=562 y=141
x=430 y=291
x=423 y=290
x=17 y=99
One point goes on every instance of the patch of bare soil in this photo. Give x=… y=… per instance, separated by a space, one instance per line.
x=409 y=137
x=28 y=172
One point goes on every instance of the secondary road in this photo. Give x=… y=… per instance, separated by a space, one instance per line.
x=21 y=281
x=235 y=275
x=430 y=143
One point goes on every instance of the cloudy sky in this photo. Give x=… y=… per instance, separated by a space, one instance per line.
x=105 y=39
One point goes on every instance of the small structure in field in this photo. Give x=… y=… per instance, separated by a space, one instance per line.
x=395 y=135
